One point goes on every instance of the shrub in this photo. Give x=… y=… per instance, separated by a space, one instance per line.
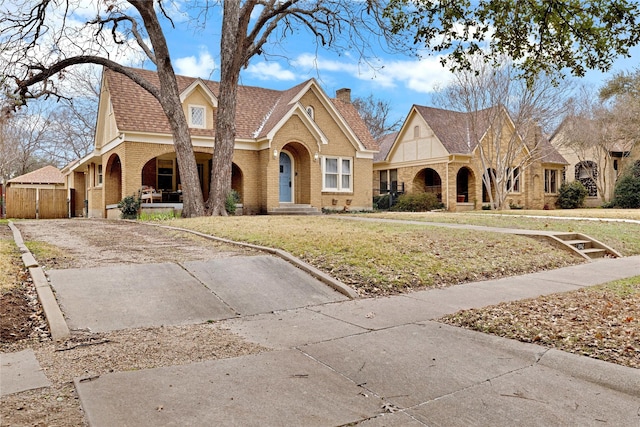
x=381 y=202
x=230 y=203
x=626 y=194
x=129 y=207
x=571 y=195
x=418 y=202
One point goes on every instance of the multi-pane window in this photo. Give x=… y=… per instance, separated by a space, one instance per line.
x=99 y=175
x=196 y=116
x=513 y=180
x=550 y=181
x=337 y=174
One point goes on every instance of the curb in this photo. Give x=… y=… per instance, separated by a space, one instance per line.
x=314 y=272
x=616 y=377
x=57 y=325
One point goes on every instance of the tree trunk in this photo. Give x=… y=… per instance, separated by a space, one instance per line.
x=193 y=202
x=231 y=58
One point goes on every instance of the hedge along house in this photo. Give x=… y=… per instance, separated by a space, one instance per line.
x=434 y=152
x=295 y=150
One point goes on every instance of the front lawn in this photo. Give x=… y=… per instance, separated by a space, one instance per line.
x=621 y=236
x=602 y=322
x=382 y=258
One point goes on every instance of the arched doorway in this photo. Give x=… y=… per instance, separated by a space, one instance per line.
x=286 y=178
x=465 y=183
x=236 y=180
x=295 y=183
x=429 y=181
x=113 y=180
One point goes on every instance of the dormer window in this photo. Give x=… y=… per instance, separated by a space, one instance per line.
x=310 y=112
x=196 y=116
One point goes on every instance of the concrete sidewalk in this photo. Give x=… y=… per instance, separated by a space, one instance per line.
x=334 y=361
x=384 y=361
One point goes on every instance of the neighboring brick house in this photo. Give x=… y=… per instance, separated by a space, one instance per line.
x=295 y=147
x=433 y=152
x=597 y=164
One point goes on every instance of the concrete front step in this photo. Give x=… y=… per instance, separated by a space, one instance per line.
x=586 y=246
x=295 y=210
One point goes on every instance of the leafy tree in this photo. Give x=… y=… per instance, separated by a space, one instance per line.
x=627 y=191
x=375 y=113
x=540 y=35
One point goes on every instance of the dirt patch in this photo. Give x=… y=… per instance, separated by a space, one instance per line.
x=61 y=244
x=86 y=243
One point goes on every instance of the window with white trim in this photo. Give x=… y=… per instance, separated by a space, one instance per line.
x=550 y=181
x=99 y=175
x=310 y=112
x=197 y=116
x=336 y=174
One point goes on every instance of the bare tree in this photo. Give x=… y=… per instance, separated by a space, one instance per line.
x=376 y=115
x=336 y=24
x=506 y=119
x=40 y=43
x=600 y=126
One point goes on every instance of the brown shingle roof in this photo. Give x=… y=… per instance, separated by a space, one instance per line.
x=348 y=111
x=459 y=132
x=384 y=145
x=45 y=175
x=258 y=109
x=548 y=153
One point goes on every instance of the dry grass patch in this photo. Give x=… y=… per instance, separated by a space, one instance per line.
x=621 y=236
x=602 y=322
x=382 y=258
x=10 y=261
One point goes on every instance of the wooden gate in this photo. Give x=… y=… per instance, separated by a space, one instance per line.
x=42 y=203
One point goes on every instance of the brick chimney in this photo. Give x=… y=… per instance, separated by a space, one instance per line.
x=344 y=95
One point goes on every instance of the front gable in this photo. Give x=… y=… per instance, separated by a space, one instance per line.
x=416 y=141
x=323 y=113
x=199 y=105
x=106 y=125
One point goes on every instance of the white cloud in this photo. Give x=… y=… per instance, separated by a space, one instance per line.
x=419 y=75
x=202 y=66
x=269 y=71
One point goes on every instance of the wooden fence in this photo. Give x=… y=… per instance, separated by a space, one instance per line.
x=42 y=203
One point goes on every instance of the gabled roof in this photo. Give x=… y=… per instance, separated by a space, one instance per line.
x=548 y=153
x=455 y=129
x=258 y=111
x=384 y=146
x=45 y=175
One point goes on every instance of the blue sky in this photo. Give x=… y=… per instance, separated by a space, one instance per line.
x=399 y=79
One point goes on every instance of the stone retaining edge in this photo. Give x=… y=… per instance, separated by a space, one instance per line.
x=57 y=325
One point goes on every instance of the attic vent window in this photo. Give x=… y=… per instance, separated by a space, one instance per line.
x=310 y=112
x=196 y=116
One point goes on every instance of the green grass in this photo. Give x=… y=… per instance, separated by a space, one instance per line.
x=621 y=236
x=382 y=258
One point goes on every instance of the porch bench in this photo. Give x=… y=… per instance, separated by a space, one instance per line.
x=149 y=194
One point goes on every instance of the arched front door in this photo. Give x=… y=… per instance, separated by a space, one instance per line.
x=285 y=178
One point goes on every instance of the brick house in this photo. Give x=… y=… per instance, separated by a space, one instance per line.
x=294 y=148
x=433 y=152
x=596 y=163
